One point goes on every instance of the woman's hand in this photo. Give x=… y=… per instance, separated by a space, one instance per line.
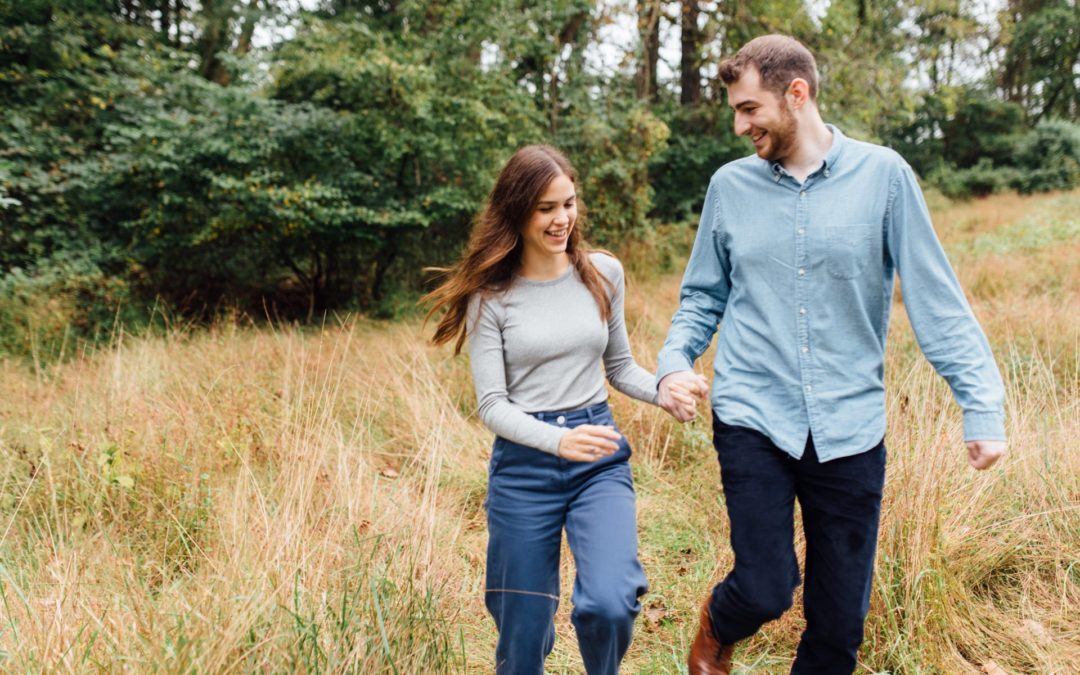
x=680 y=393
x=588 y=443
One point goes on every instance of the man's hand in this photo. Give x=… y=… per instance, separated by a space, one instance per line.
x=680 y=392
x=588 y=443
x=983 y=454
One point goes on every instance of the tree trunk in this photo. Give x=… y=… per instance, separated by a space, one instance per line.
x=178 y=21
x=690 y=61
x=649 y=29
x=247 y=30
x=567 y=36
x=165 y=20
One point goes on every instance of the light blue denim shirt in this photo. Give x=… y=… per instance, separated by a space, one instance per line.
x=801 y=278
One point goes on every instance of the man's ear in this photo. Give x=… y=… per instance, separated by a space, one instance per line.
x=798 y=93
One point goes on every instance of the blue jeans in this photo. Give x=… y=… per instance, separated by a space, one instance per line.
x=841 y=506
x=532 y=496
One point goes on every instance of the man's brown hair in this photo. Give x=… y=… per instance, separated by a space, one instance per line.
x=779 y=59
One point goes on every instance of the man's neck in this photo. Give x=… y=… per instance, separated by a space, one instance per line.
x=814 y=145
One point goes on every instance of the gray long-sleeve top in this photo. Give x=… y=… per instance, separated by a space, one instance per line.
x=538 y=346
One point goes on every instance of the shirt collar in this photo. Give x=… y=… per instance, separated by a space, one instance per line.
x=838 y=142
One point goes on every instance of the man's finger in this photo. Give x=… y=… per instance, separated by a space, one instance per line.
x=684 y=397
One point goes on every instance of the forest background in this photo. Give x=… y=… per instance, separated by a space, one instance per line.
x=173 y=158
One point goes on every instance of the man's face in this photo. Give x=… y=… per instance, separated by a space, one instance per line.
x=763 y=116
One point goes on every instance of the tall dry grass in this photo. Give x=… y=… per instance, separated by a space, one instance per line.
x=240 y=499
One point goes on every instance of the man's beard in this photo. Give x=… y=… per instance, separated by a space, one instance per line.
x=783 y=138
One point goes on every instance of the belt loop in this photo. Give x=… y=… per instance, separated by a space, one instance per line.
x=592 y=413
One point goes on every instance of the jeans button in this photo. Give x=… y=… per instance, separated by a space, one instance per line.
x=560 y=420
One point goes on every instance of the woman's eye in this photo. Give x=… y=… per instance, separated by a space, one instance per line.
x=544 y=209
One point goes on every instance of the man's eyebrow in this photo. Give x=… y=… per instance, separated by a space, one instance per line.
x=743 y=104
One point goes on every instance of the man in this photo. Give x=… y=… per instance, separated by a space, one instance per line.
x=795 y=254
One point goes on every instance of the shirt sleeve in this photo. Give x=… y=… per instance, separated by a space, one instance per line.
x=940 y=315
x=622 y=370
x=486 y=359
x=703 y=296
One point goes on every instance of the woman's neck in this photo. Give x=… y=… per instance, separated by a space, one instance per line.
x=543 y=267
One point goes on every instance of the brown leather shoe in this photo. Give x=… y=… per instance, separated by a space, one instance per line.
x=708 y=656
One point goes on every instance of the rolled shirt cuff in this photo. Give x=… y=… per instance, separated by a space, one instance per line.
x=671 y=362
x=984 y=426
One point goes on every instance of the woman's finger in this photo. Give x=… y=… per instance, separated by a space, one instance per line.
x=599 y=430
x=600 y=443
x=579 y=455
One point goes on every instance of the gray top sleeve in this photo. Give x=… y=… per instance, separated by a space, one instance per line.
x=489 y=377
x=622 y=371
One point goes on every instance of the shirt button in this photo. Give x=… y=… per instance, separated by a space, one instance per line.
x=802 y=310
x=805 y=350
x=826 y=173
x=802 y=272
x=560 y=420
x=802 y=231
x=803 y=193
x=807 y=387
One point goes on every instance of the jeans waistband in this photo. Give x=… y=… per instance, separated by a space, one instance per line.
x=591 y=413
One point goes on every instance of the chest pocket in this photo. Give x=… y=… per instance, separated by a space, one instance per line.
x=849 y=249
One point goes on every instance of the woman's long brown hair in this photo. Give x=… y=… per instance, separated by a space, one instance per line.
x=494 y=252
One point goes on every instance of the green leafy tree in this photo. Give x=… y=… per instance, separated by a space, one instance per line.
x=1041 y=64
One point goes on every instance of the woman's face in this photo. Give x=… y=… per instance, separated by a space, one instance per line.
x=548 y=228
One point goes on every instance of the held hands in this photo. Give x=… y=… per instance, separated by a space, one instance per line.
x=983 y=454
x=588 y=443
x=680 y=392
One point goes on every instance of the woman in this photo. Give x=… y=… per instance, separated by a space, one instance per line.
x=542 y=313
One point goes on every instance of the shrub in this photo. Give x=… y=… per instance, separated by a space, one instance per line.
x=47 y=310
x=982 y=179
x=1049 y=157
x=702 y=140
x=612 y=152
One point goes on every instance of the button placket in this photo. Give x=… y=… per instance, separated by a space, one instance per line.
x=802 y=292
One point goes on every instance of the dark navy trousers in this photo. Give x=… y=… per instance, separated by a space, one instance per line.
x=841 y=506
x=532 y=497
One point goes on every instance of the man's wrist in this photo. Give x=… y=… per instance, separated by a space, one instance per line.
x=984 y=426
x=671 y=362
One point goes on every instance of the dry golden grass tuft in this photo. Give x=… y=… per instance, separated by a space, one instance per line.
x=239 y=499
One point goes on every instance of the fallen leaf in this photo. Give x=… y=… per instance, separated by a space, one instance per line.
x=1037 y=630
x=992 y=668
x=654 y=615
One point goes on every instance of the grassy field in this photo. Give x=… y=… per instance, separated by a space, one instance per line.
x=237 y=499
